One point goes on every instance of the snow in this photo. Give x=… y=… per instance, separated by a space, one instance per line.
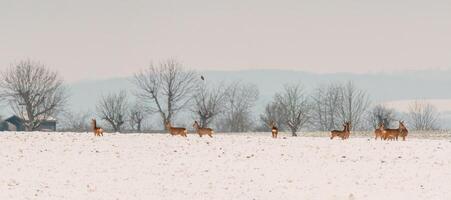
x=237 y=166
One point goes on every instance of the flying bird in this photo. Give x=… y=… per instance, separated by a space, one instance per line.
x=202 y=77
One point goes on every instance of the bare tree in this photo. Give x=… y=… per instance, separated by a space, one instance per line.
x=423 y=116
x=113 y=109
x=137 y=114
x=296 y=106
x=209 y=102
x=381 y=114
x=167 y=86
x=34 y=92
x=327 y=100
x=75 y=122
x=273 y=112
x=355 y=103
x=240 y=99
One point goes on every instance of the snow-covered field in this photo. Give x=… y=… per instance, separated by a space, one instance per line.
x=247 y=166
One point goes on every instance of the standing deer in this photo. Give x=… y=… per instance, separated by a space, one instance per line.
x=403 y=130
x=98 y=131
x=176 y=130
x=341 y=134
x=203 y=131
x=274 y=129
x=379 y=132
x=393 y=134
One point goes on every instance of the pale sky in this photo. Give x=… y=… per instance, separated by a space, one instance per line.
x=87 y=39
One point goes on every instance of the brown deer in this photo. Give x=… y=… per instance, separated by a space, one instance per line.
x=98 y=131
x=379 y=132
x=393 y=134
x=274 y=129
x=341 y=134
x=203 y=131
x=176 y=130
x=403 y=130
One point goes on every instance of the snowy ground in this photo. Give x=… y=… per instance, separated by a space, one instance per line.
x=249 y=166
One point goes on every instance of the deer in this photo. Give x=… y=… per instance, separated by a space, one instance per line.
x=337 y=133
x=176 y=130
x=274 y=129
x=203 y=131
x=393 y=134
x=98 y=131
x=403 y=130
x=379 y=132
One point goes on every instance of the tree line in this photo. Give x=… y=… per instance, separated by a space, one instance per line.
x=167 y=89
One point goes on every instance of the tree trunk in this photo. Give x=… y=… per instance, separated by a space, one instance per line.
x=165 y=121
x=293 y=132
x=203 y=122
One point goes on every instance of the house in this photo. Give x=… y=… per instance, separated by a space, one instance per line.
x=15 y=123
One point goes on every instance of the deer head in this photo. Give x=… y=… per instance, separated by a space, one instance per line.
x=402 y=126
x=196 y=124
x=348 y=124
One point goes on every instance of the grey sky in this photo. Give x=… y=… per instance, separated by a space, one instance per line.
x=85 y=39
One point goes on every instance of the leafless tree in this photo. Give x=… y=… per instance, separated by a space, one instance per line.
x=381 y=114
x=423 y=116
x=113 y=109
x=295 y=103
x=327 y=100
x=239 y=101
x=75 y=122
x=209 y=102
x=137 y=115
x=166 y=88
x=354 y=105
x=34 y=92
x=273 y=112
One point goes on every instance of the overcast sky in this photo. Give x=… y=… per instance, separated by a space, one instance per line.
x=88 y=39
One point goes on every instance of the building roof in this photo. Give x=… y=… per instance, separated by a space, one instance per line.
x=17 y=118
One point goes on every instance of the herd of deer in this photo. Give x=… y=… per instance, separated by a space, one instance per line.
x=391 y=134
x=98 y=131
x=381 y=132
